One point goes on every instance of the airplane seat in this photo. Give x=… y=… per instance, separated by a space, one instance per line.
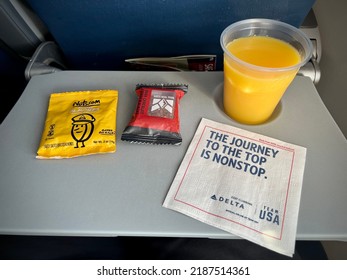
x=19 y=38
x=100 y=35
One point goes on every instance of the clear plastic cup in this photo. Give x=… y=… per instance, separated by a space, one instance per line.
x=252 y=90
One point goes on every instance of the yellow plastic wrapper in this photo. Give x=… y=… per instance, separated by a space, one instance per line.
x=79 y=123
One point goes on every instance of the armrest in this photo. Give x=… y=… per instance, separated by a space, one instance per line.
x=46 y=59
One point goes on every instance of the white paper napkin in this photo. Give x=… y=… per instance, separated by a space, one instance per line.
x=242 y=182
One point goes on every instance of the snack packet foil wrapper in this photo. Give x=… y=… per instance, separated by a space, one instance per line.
x=78 y=124
x=156 y=119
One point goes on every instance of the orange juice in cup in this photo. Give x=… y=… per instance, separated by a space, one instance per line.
x=261 y=58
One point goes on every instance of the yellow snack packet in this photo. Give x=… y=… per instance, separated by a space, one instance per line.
x=79 y=123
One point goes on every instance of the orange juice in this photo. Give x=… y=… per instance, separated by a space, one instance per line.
x=255 y=81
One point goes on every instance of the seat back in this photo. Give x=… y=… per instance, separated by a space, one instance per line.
x=100 y=35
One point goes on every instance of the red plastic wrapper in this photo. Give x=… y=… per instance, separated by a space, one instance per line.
x=156 y=118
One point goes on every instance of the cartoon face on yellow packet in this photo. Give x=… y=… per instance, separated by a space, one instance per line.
x=79 y=123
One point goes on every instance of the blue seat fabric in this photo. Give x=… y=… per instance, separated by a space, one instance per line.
x=101 y=34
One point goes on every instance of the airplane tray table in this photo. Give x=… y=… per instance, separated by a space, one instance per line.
x=121 y=194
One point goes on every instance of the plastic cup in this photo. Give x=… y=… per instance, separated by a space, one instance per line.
x=251 y=90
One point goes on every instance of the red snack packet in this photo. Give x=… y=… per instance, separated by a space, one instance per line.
x=156 y=118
